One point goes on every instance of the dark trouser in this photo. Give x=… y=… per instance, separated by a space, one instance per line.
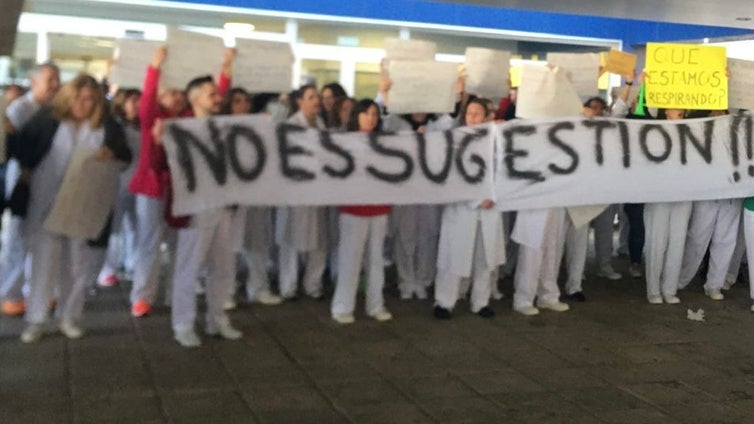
x=635 y=213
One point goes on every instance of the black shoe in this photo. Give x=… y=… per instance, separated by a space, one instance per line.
x=486 y=312
x=576 y=297
x=441 y=313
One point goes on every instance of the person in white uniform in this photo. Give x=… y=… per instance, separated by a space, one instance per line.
x=207 y=241
x=666 y=226
x=362 y=236
x=120 y=249
x=714 y=225
x=77 y=124
x=540 y=234
x=302 y=229
x=252 y=227
x=472 y=244
x=14 y=272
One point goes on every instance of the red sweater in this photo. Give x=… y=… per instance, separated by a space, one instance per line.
x=150 y=177
x=366 y=210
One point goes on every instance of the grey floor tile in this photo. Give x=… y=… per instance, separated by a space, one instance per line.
x=292 y=416
x=118 y=408
x=428 y=388
x=388 y=413
x=264 y=398
x=503 y=381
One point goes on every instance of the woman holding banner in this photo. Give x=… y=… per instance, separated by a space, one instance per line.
x=472 y=244
x=362 y=227
x=303 y=229
x=252 y=226
x=714 y=226
x=77 y=124
x=666 y=226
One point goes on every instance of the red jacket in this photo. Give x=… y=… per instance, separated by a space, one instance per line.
x=150 y=177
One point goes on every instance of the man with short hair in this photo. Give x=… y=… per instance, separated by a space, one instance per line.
x=205 y=241
x=45 y=83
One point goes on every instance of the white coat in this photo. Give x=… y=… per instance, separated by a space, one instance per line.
x=457 y=237
x=302 y=227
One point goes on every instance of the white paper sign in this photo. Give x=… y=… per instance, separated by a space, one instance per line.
x=263 y=66
x=487 y=72
x=741 y=84
x=86 y=196
x=396 y=49
x=130 y=61
x=546 y=93
x=250 y=161
x=582 y=69
x=422 y=86
x=190 y=55
x=573 y=162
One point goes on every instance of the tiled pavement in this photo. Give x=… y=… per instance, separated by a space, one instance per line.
x=613 y=359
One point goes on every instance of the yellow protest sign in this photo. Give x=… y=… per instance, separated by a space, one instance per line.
x=515 y=74
x=686 y=76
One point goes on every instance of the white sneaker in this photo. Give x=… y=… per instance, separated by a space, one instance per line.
x=497 y=294
x=71 y=330
x=655 y=300
x=344 y=318
x=268 y=299
x=752 y=308
x=635 y=271
x=382 y=315
x=609 y=273
x=527 y=310
x=554 y=306
x=187 y=338
x=226 y=331
x=672 y=300
x=728 y=284
x=229 y=305
x=32 y=333
x=421 y=293
x=406 y=295
x=714 y=294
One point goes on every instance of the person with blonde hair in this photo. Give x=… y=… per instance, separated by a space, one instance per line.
x=77 y=121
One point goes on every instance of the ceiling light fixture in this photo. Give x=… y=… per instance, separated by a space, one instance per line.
x=238 y=27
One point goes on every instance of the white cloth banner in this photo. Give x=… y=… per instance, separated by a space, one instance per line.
x=248 y=160
x=573 y=162
x=540 y=163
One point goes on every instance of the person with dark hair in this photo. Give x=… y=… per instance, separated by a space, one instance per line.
x=415 y=229
x=330 y=93
x=666 y=226
x=713 y=225
x=77 y=121
x=121 y=246
x=204 y=241
x=236 y=102
x=362 y=228
x=340 y=113
x=302 y=229
x=45 y=83
x=150 y=186
x=252 y=225
x=472 y=243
